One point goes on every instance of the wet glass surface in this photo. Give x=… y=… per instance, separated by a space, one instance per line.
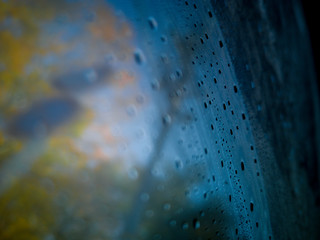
x=157 y=120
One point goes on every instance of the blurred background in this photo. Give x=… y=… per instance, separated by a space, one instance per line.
x=310 y=14
x=158 y=120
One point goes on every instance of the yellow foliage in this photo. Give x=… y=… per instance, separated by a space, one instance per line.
x=26 y=211
x=18 y=50
x=28 y=208
x=1 y=139
x=8 y=147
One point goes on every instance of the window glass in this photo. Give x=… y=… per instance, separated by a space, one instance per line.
x=156 y=120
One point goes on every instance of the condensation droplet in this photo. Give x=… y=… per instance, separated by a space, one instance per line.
x=149 y=213
x=164 y=58
x=173 y=223
x=153 y=23
x=167 y=206
x=133 y=173
x=178 y=164
x=140 y=99
x=144 y=197
x=185 y=226
x=155 y=85
x=164 y=39
x=196 y=223
x=172 y=77
x=179 y=73
x=91 y=75
x=166 y=119
x=131 y=111
x=139 y=57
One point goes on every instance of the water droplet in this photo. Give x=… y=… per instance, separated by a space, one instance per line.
x=144 y=197
x=153 y=23
x=166 y=119
x=259 y=108
x=173 y=223
x=196 y=223
x=242 y=166
x=155 y=85
x=179 y=164
x=172 y=77
x=179 y=73
x=251 y=207
x=140 y=99
x=91 y=75
x=178 y=93
x=164 y=58
x=131 y=111
x=139 y=57
x=149 y=213
x=133 y=173
x=155 y=171
x=140 y=133
x=164 y=39
x=167 y=206
x=185 y=226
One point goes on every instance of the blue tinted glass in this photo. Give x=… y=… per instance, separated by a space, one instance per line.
x=157 y=120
